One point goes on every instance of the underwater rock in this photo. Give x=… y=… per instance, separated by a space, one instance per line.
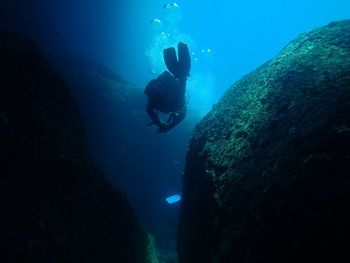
x=113 y=110
x=55 y=204
x=267 y=177
x=104 y=99
x=118 y=135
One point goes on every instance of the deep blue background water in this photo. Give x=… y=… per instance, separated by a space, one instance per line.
x=119 y=34
x=242 y=34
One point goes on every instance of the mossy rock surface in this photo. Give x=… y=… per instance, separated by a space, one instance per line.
x=268 y=169
x=56 y=205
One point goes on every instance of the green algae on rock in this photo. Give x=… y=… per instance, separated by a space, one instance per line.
x=267 y=174
x=55 y=204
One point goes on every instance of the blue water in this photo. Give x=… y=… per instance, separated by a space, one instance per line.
x=241 y=34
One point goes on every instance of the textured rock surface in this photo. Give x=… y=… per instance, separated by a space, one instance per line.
x=268 y=169
x=55 y=204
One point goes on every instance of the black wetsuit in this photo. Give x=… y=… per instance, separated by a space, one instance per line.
x=166 y=93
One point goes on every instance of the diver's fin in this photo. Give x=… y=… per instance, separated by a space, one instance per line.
x=173 y=199
x=171 y=60
x=181 y=67
x=184 y=64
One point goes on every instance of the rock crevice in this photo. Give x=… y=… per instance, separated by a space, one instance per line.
x=56 y=205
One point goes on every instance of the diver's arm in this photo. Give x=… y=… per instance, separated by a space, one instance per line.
x=153 y=115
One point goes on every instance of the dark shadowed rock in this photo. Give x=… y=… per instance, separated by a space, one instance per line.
x=268 y=169
x=55 y=204
x=145 y=165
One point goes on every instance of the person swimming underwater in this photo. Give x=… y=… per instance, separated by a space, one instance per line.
x=166 y=93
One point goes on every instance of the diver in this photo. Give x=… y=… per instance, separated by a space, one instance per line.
x=166 y=93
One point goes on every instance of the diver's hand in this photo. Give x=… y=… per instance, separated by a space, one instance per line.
x=151 y=123
x=163 y=128
x=159 y=123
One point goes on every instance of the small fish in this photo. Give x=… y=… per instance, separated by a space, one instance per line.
x=176 y=162
x=151 y=72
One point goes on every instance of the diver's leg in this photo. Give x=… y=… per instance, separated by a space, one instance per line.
x=170 y=60
x=181 y=90
x=184 y=60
